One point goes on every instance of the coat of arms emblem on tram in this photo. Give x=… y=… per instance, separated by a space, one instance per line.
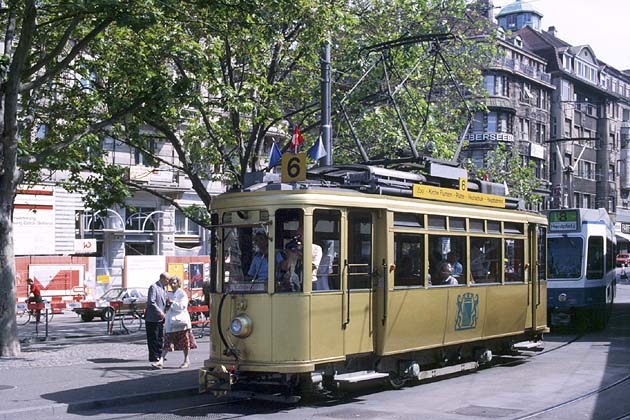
x=466 y=311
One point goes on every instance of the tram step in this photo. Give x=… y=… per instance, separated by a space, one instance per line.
x=354 y=377
x=529 y=346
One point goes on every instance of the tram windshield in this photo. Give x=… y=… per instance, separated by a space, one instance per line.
x=564 y=257
x=245 y=266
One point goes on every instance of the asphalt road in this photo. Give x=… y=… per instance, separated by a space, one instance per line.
x=576 y=377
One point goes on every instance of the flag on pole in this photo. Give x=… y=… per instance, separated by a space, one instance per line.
x=275 y=156
x=317 y=151
x=297 y=139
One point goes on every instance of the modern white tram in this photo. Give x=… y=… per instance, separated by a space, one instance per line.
x=580 y=267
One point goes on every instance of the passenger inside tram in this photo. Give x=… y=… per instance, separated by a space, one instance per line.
x=446 y=277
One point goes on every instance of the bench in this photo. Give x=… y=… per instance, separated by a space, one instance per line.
x=199 y=318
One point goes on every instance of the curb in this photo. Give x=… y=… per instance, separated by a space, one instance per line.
x=63 y=408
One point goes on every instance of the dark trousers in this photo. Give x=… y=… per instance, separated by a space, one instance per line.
x=155 y=339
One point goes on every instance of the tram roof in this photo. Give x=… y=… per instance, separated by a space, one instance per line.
x=379 y=181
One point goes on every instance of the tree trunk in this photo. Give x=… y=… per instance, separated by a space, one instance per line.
x=9 y=342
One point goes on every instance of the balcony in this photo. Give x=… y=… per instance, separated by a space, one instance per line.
x=517 y=67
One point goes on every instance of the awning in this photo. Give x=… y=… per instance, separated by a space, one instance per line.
x=622 y=237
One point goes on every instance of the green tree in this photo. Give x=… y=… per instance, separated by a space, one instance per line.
x=504 y=165
x=41 y=40
x=212 y=80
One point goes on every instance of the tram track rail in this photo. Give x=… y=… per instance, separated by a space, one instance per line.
x=578 y=399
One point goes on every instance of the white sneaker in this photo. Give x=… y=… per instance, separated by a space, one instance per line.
x=158 y=365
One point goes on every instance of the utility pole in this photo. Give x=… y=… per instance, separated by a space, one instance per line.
x=326 y=101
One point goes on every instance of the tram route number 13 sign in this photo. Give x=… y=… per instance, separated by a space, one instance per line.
x=293 y=167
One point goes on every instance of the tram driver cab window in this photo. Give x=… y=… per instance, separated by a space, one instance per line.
x=289 y=228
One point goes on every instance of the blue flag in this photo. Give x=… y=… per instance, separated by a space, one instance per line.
x=317 y=151
x=275 y=156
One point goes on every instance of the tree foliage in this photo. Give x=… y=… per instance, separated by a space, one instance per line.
x=504 y=165
x=214 y=80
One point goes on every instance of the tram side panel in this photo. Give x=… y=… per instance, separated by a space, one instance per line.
x=326 y=326
x=507 y=310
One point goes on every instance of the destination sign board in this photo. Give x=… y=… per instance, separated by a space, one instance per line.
x=564 y=220
x=457 y=196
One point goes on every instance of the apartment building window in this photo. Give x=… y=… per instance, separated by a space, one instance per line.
x=138 y=218
x=566 y=91
x=524 y=128
x=526 y=93
x=587 y=201
x=496 y=84
x=492 y=121
x=139 y=157
x=567 y=128
x=588 y=172
x=576 y=198
x=611 y=172
x=185 y=226
x=566 y=62
x=539 y=132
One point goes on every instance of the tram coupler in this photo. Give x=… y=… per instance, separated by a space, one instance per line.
x=217 y=380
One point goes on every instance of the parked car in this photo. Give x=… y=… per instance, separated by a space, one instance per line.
x=623 y=259
x=121 y=299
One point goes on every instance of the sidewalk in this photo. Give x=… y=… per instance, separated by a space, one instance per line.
x=70 y=375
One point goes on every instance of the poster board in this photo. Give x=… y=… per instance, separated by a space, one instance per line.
x=143 y=270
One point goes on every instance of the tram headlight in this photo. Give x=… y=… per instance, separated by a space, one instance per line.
x=241 y=326
x=562 y=297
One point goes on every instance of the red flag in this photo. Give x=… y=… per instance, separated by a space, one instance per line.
x=297 y=139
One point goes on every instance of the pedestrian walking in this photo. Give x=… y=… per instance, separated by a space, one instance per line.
x=154 y=319
x=179 y=336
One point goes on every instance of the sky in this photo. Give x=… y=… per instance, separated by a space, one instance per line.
x=602 y=24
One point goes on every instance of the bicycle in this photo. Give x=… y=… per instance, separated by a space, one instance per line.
x=131 y=321
x=25 y=315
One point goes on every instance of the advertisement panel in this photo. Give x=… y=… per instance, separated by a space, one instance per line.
x=34 y=217
x=57 y=279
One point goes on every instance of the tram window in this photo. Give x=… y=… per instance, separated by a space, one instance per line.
x=288 y=267
x=447 y=260
x=494 y=227
x=514 y=260
x=513 y=228
x=476 y=225
x=359 y=250
x=595 y=258
x=245 y=267
x=564 y=257
x=484 y=260
x=326 y=236
x=437 y=222
x=408 y=259
x=610 y=255
x=409 y=220
x=542 y=253
x=457 y=223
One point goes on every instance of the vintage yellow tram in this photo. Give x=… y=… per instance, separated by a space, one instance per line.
x=362 y=272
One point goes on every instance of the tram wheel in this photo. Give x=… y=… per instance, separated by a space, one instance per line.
x=395 y=380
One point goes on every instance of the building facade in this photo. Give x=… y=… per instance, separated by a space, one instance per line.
x=518 y=104
x=588 y=145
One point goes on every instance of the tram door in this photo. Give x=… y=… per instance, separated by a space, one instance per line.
x=537 y=299
x=341 y=301
x=358 y=294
